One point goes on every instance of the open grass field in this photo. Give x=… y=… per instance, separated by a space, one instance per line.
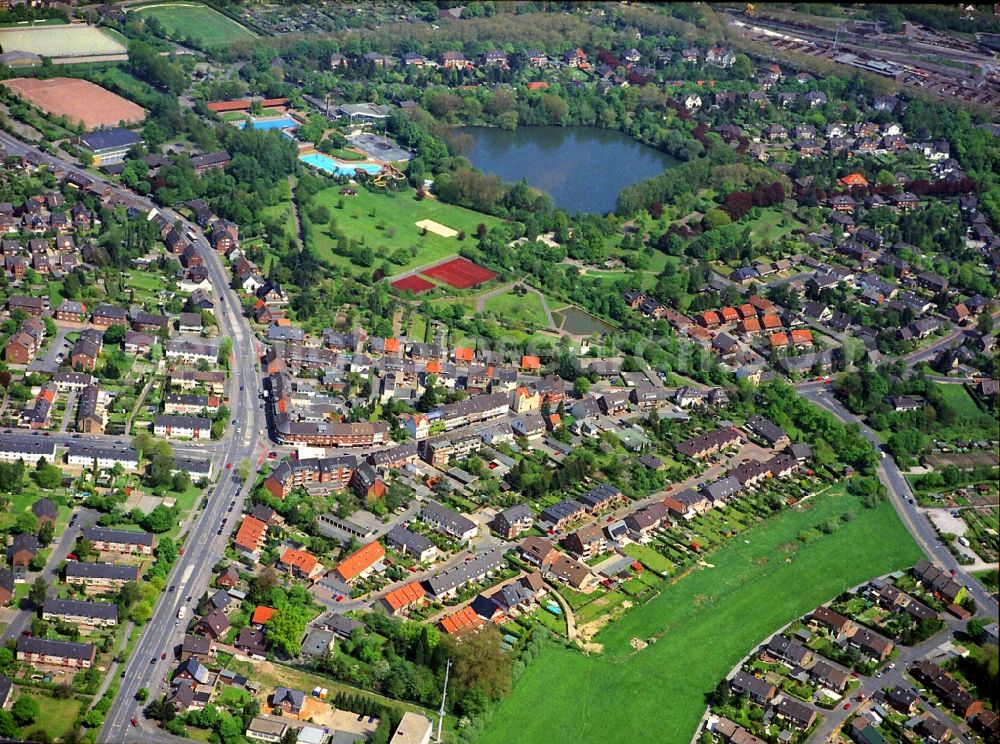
x=60 y=42
x=702 y=625
x=773 y=223
x=518 y=309
x=56 y=718
x=388 y=224
x=195 y=21
x=80 y=101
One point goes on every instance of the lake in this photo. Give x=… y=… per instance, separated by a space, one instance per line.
x=583 y=168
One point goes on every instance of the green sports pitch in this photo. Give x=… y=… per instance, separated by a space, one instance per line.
x=196 y=21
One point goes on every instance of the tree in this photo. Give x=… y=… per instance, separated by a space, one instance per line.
x=160 y=471
x=36 y=595
x=25 y=710
x=581 y=386
x=481 y=664
x=25 y=524
x=285 y=630
x=8 y=727
x=45 y=533
x=46 y=475
x=115 y=334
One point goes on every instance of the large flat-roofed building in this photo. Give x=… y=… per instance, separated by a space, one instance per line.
x=109 y=146
x=363 y=113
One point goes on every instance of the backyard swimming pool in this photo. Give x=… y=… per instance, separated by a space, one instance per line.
x=328 y=164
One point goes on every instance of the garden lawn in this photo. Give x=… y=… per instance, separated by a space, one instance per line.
x=702 y=625
x=648 y=557
x=393 y=226
x=196 y=21
x=971 y=422
x=518 y=309
x=57 y=716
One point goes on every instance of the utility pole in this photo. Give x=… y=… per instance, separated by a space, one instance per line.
x=444 y=696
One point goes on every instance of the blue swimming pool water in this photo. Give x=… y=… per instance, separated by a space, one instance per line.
x=282 y=123
x=328 y=164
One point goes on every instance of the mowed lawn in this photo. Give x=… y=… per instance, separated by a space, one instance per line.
x=196 y=21
x=518 y=309
x=57 y=716
x=387 y=223
x=702 y=626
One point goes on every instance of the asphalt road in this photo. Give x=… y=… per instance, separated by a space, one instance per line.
x=206 y=540
x=901 y=496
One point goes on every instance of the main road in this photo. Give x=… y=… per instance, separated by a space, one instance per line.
x=150 y=659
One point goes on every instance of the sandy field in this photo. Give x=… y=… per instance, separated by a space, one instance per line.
x=79 y=100
x=437 y=228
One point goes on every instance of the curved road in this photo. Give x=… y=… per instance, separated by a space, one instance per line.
x=900 y=495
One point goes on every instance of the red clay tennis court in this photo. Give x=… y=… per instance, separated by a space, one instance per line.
x=414 y=283
x=460 y=273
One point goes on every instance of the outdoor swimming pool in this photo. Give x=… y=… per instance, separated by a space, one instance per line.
x=328 y=164
x=282 y=123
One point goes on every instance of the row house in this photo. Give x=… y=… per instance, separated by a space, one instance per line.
x=78 y=612
x=714 y=441
x=189 y=403
x=126 y=542
x=182 y=427
x=55 y=653
x=437 y=451
x=100 y=578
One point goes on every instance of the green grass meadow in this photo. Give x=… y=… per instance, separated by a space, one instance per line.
x=701 y=626
x=387 y=223
x=194 y=20
x=518 y=309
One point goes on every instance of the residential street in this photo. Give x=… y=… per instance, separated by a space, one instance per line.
x=60 y=549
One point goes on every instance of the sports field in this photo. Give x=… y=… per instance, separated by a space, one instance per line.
x=196 y=21
x=76 y=40
x=413 y=283
x=388 y=224
x=78 y=100
x=701 y=627
x=460 y=273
